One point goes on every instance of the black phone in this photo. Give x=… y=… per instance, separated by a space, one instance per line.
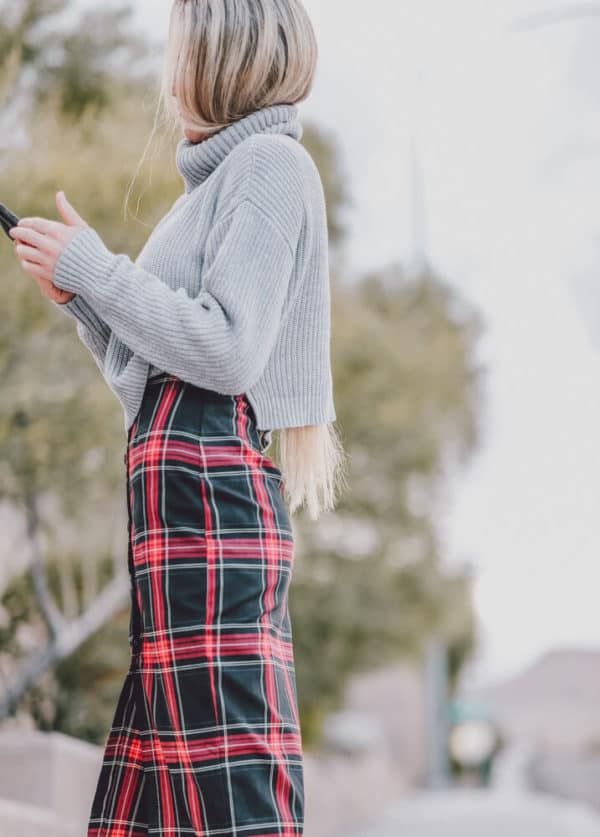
x=8 y=219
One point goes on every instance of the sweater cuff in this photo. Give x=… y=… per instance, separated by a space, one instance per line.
x=82 y=262
x=75 y=308
x=78 y=309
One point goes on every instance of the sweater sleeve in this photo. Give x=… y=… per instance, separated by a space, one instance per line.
x=222 y=338
x=93 y=332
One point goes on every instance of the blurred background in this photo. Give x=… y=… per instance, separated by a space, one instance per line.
x=446 y=619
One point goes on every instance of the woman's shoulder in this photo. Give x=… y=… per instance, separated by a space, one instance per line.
x=275 y=162
x=279 y=149
x=284 y=155
x=269 y=172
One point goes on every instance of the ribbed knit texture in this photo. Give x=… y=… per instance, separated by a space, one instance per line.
x=231 y=290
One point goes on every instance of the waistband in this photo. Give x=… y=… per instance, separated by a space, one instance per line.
x=210 y=396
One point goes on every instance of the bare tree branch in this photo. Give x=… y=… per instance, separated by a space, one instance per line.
x=70 y=636
x=54 y=620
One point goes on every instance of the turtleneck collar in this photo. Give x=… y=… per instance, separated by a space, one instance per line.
x=195 y=161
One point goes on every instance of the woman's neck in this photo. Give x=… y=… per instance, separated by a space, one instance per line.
x=194 y=136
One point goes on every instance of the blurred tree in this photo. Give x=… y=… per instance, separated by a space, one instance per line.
x=56 y=699
x=325 y=151
x=62 y=436
x=46 y=50
x=369 y=582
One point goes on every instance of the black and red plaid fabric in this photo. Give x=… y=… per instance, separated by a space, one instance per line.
x=205 y=738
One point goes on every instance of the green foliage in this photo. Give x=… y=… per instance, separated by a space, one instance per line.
x=62 y=431
x=325 y=151
x=88 y=682
x=370 y=585
x=75 y=64
x=369 y=580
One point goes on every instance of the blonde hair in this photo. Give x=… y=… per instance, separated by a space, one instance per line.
x=223 y=60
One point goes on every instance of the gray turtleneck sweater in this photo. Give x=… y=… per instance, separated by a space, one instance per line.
x=231 y=290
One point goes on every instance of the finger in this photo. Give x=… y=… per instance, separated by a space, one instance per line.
x=45 y=226
x=57 y=294
x=27 y=235
x=36 y=270
x=48 y=290
x=32 y=254
x=42 y=283
x=70 y=215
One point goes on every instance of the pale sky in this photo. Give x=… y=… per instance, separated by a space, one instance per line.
x=509 y=136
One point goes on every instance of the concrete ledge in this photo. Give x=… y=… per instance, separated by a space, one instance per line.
x=20 y=820
x=47 y=775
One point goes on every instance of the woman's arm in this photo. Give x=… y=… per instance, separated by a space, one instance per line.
x=93 y=332
x=220 y=339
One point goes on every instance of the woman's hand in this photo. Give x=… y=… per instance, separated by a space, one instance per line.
x=39 y=243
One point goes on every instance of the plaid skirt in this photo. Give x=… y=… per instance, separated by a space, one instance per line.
x=205 y=738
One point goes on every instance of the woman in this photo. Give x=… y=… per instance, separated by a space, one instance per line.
x=215 y=337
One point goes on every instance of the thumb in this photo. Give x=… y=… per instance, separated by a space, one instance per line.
x=69 y=214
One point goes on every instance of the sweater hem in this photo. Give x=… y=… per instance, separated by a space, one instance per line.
x=291 y=415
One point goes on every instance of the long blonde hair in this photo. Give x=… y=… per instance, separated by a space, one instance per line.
x=223 y=60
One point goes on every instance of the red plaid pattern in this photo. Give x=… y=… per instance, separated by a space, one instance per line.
x=206 y=737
